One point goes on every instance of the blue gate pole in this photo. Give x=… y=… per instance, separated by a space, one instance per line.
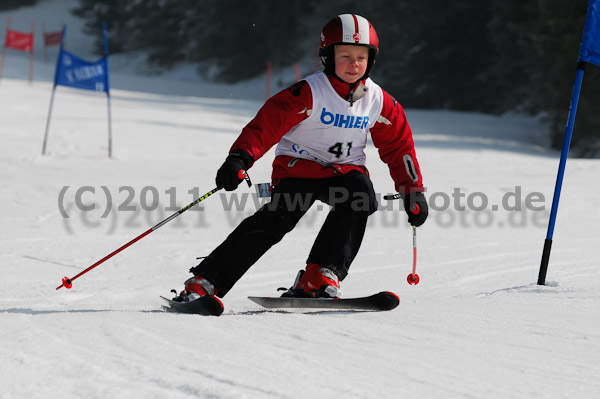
x=107 y=88
x=561 y=171
x=58 y=64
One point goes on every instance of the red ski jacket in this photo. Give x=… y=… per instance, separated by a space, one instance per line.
x=391 y=135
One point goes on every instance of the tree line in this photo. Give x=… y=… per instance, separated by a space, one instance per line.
x=492 y=56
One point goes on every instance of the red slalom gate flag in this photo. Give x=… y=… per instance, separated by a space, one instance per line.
x=52 y=38
x=19 y=40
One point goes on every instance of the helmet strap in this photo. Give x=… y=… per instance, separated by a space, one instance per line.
x=328 y=60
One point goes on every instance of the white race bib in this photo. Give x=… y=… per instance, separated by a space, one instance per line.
x=335 y=132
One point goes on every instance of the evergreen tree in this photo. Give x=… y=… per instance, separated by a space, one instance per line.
x=115 y=13
x=241 y=37
x=161 y=30
x=538 y=46
x=442 y=55
x=14 y=4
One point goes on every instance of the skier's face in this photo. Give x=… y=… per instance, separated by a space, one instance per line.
x=350 y=62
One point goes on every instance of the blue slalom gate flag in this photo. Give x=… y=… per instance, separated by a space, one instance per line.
x=76 y=72
x=73 y=71
x=590 y=44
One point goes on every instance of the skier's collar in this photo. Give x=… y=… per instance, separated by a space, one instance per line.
x=344 y=89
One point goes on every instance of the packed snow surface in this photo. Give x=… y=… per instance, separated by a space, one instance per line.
x=477 y=325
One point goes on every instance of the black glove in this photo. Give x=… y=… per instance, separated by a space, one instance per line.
x=228 y=174
x=416 y=207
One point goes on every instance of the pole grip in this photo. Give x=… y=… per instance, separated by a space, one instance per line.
x=242 y=174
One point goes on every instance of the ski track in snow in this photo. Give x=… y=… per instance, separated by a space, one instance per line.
x=477 y=326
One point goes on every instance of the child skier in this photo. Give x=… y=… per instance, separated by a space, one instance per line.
x=320 y=126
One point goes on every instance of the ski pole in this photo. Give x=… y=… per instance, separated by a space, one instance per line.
x=413 y=278
x=68 y=282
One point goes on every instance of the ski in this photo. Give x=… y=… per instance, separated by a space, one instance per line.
x=205 y=306
x=378 y=302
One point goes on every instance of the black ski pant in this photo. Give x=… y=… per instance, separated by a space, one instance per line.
x=352 y=199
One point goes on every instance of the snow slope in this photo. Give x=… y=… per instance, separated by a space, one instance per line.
x=477 y=326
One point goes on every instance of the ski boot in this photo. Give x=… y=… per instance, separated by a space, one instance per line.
x=315 y=282
x=195 y=287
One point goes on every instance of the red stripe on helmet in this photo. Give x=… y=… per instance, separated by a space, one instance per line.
x=356 y=32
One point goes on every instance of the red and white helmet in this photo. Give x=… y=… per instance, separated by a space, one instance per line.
x=349 y=29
